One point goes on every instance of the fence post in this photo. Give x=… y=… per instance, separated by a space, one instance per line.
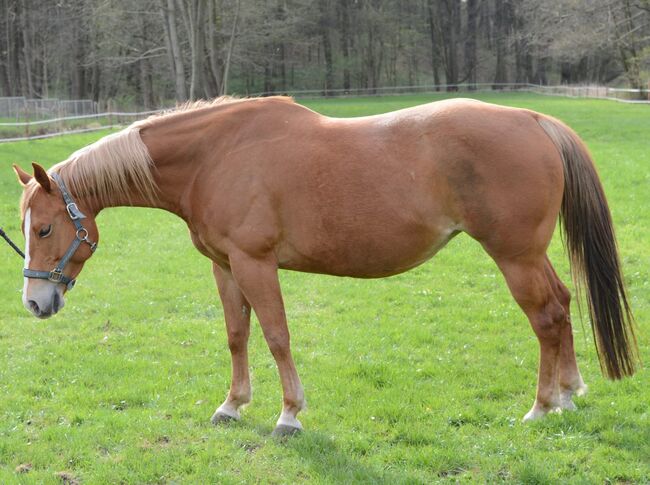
x=26 y=123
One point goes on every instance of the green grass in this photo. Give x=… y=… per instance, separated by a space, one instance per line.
x=419 y=378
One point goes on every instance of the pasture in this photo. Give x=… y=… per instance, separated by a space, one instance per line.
x=419 y=378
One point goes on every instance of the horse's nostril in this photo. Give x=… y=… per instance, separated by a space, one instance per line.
x=34 y=307
x=56 y=304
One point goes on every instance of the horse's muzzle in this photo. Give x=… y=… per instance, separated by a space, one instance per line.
x=46 y=309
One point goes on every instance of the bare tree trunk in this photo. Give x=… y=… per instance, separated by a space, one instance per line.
x=78 y=85
x=168 y=9
x=435 y=44
x=523 y=56
x=146 y=77
x=471 y=60
x=451 y=32
x=344 y=20
x=28 y=90
x=231 y=45
x=540 y=73
x=214 y=72
x=45 y=81
x=196 y=16
x=626 y=44
x=501 y=75
x=327 y=46
x=6 y=79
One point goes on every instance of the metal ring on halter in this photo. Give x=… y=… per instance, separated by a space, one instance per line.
x=85 y=238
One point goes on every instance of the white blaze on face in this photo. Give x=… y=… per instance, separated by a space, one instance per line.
x=28 y=225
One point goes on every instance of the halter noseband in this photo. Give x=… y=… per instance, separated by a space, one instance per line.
x=56 y=275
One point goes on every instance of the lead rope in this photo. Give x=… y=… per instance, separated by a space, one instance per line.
x=11 y=243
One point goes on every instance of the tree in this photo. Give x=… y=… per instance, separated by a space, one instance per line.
x=150 y=52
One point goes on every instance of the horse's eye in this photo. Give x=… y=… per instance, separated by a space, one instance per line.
x=45 y=231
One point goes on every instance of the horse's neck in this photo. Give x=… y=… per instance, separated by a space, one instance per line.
x=98 y=186
x=180 y=147
x=183 y=145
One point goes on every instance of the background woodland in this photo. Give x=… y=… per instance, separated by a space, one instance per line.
x=148 y=53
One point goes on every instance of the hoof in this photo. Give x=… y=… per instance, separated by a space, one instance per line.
x=582 y=390
x=539 y=412
x=222 y=418
x=283 y=430
x=566 y=402
x=569 y=405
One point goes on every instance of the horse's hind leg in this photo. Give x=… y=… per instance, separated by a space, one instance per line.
x=529 y=283
x=570 y=379
x=237 y=313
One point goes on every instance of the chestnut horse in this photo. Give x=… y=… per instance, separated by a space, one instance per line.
x=267 y=184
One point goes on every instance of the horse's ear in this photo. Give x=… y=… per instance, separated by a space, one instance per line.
x=23 y=177
x=42 y=177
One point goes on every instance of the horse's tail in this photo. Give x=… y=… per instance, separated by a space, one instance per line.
x=589 y=238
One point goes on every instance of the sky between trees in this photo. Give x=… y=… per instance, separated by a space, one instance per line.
x=147 y=53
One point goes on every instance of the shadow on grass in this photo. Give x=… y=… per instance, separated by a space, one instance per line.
x=326 y=460
x=332 y=464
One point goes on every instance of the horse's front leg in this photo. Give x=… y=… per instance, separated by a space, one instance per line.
x=258 y=280
x=237 y=313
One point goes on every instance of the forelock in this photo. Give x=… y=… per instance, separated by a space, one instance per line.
x=28 y=196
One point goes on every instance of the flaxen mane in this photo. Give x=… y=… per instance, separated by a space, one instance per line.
x=111 y=167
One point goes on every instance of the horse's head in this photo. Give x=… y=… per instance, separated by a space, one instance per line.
x=59 y=237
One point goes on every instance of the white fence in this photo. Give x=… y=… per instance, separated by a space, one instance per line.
x=46 y=128
x=34 y=130
x=20 y=108
x=602 y=92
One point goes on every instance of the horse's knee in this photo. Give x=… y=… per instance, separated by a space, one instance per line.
x=279 y=345
x=238 y=339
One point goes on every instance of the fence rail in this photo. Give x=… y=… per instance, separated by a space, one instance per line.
x=38 y=129
x=20 y=108
x=47 y=128
x=587 y=91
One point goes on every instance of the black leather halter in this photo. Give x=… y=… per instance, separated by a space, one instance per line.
x=56 y=275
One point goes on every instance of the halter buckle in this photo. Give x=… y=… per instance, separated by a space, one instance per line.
x=56 y=275
x=74 y=212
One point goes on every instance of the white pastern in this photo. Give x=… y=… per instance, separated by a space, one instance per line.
x=287 y=419
x=28 y=225
x=229 y=409
x=539 y=412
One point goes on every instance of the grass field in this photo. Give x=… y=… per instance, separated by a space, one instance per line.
x=419 y=378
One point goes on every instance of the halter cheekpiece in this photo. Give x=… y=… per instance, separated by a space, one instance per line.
x=81 y=235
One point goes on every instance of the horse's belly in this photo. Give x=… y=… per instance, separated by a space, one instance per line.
x=361 y=256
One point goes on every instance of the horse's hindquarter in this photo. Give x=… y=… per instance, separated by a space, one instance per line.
x=375 y=196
